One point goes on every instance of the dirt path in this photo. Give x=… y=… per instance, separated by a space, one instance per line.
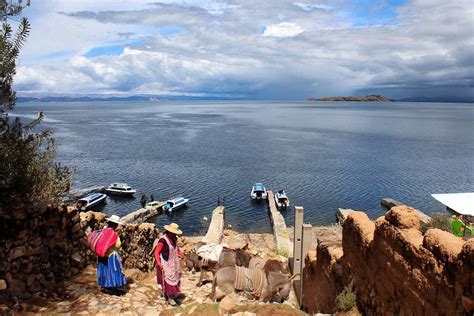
x=81 y=296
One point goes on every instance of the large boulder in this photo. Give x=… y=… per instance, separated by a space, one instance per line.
x=404 y=217
x=444 y=245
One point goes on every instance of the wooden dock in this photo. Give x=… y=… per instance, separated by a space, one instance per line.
x=280 y=231
x=141 y=215
x=216 y=227
x=389 y=203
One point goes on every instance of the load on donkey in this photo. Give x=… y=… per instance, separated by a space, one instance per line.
x=264 y=280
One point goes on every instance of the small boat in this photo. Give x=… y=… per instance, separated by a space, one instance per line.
x=258 y=192
x=282 y=200
x=91 y=200
x=120 y=189
x=175 y=203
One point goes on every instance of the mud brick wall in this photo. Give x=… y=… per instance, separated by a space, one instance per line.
x=395 y=268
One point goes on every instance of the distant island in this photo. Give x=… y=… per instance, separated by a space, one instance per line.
x=364 y=98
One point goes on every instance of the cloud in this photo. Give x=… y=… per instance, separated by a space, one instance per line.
x=284 y=29
x=312 y=48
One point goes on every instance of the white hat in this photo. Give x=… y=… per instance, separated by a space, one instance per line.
x=114 y=219
x=173 y=228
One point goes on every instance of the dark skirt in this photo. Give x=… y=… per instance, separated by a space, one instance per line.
x=169 y=290
x=109 y=272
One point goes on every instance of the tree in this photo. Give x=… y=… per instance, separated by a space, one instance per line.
x=29 y=176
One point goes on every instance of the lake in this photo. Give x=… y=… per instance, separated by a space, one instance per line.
x=325 y=155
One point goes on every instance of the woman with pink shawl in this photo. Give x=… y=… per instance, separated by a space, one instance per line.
x=167 y=255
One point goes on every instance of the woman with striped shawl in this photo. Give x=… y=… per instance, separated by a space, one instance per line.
x=167 y=255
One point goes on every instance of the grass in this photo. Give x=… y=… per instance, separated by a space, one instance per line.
x=438 y=220
x=346 y=300
x=283 y=253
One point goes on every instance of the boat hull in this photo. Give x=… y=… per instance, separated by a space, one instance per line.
x=119 y=192
x=96 y=202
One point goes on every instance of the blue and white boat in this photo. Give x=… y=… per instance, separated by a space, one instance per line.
x=91 y=200
x=258 y=192
x=281 y=200
x=175 y=203
x=120 y=189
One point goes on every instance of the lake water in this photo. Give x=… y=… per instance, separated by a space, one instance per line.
x=325 y=155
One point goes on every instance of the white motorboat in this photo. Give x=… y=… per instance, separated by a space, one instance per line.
x=120 y=189
x=258 y=192
x=281 y=200
x=175 y=203
x=91 y=200
x=152 y=205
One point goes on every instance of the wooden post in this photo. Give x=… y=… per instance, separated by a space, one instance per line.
x=306 y=242
x=296 y=267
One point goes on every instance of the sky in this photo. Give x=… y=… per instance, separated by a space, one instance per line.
x=249 y=49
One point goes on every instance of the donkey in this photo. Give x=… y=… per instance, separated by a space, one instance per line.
x=274 y=286
x=267 y=265
x=228 y=257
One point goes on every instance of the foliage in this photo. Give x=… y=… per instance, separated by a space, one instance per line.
x=438 y=220
x=281 y=252
x=28 y=173
x=9 y=8
x=346 y=300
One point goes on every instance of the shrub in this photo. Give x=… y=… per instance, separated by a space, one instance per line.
x=346 y=300
x=438 y=220
x=28 y=174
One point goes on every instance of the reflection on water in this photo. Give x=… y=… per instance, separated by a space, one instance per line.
x=324 y=155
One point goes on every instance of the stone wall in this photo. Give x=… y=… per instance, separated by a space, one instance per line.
x=395 y=268
x=38 y=249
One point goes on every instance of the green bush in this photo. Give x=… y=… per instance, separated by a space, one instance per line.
x=346 y=300
x=29 y=177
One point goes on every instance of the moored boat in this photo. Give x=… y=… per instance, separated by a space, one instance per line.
x=91 y=200
x=120 y=189
x=258 y=192
x=175 y=203
x=281 y=200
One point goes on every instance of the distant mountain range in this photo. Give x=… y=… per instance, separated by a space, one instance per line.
x=364 y=98
x=154 y=98
x=131 y=98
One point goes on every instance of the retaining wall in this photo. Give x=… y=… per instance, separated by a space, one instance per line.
x=395 y=269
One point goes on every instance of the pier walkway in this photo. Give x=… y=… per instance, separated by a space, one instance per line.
x=141 y=215
x=216 y=227
x=280 y=232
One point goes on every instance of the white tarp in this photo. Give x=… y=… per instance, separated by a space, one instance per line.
x=462 y=203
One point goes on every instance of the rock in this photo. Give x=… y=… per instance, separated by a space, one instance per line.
x=76 y=227
x=3 y=284
x=76 y=257
x=192 y=310
x=19 y=214
x=445 y=246
x=17 y=287
x=17 y=252
x=403 y=216
x=226 y=305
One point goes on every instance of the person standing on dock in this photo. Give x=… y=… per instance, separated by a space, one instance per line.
x=167 y=255
x=151 y=198
x=143 y=200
